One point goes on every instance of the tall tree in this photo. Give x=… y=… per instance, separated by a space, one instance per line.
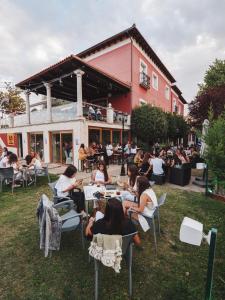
x=177 y=126
x=214 y=76
x=11 y=100
x=199 y=108
x=148 y=124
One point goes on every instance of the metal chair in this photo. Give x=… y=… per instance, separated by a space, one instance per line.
x=127 y=252
x=71 y=220
x=161 y=201
x=56 y=199
x=41 y=173
x=151 y=218
x=6 y=174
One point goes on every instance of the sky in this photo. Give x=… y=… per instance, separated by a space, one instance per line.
x=187 y=35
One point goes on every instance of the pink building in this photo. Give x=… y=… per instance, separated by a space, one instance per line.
x=128 y=57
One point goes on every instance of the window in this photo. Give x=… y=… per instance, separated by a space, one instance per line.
x=174 y=105
x=144 y=79
x=142 y=102
x=167 y=92
x=143 y=67
x=154 y=81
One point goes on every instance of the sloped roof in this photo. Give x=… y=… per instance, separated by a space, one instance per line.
x=138 y=37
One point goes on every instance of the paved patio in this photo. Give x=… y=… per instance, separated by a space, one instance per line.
x=114 y=171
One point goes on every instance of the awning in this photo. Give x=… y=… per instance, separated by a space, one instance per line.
x=96 y=84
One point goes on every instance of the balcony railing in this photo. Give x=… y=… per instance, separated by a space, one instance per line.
x=63 y=113
x=144 y=80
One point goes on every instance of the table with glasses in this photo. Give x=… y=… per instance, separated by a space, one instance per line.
x=90 y=190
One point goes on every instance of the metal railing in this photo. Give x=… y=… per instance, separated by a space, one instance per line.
x=144 y=80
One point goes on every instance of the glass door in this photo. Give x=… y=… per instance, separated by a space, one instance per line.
x=67 y=148
x=62 y=147
x=36 y=144
x=56 y=155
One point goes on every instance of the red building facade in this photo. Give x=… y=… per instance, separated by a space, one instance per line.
x=128 y=57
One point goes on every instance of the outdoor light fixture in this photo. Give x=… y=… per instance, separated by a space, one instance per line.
x=191 y=232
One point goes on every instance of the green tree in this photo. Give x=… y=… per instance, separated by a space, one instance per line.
x=148 y=124
x=215 y=152
x=214 y=76
x=13 y=103
x=177 y=127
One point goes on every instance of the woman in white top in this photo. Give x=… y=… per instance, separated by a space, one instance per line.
x=147 y=200
x=35 y=163
x=13 y=162
x=109 y=149
x=100 y=176
x=67 y=183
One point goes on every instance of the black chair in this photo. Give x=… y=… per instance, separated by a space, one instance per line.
x=6 y=174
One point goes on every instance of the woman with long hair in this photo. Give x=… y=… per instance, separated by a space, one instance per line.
x=147 y=199
x=66 y=184
x=13 y=162
x=100 y=176
x=145 y=166
x=113 y=222
x=138 y=158
x=82 y=152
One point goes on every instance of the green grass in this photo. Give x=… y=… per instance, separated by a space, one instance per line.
x=178 y=272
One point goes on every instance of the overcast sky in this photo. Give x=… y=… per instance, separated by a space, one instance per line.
x=187 y=35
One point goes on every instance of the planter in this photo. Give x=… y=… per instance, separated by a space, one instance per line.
x=217 y=197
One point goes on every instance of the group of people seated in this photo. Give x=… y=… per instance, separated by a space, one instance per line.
x=96 y=152
x=159 y=160
x=137 y=195
x=9 y=159
x=94 y=114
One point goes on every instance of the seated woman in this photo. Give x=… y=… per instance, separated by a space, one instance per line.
x=4 y=160
x=13 y=162
x=113 y=222
x=131 y=185
x=29 y=157
x=65 y=186
x=100 y=176
x=138 y=158
x=179 y=158
x=145 y=166
x=82 y=155
x=147 y=200
x=35 y=163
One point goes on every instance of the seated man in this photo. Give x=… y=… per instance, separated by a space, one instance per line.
x=99 y=114
x=157 y=165
x=92 y=113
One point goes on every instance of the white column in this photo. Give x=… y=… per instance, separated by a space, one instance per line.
x=110 y=114
x=25 y=144
x=46 y=146
x=79 y=73
x=49 y=101
x=80 y=136
x=27 y=95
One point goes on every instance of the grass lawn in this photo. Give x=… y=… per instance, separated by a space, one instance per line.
x=178 y=272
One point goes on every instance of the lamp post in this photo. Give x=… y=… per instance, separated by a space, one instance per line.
x=123 y=119
x=191 y=232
